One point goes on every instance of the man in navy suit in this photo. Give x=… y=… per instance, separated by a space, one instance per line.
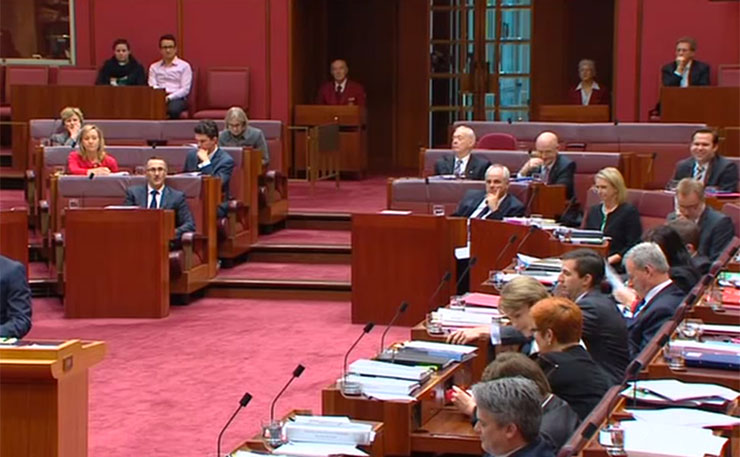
x=209 y=159
x=716 y=229
x=15 y=299
x=705 y=165
x=494 y=202
x=685 y=71
x=463 y=164
x=156 y=195
x=647 y=269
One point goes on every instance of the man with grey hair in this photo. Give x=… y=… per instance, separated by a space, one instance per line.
x=494 y=202
x=509 y=413
x=463 y=164
x=647 y=269
x=239 y=133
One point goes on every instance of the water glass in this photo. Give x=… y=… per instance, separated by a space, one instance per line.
x=433 y=324
x=273 y=433
x=674 y=357
x=612 y=438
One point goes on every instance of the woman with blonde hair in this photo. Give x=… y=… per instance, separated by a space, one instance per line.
x=614 y=216
x=72 y=119
x=91 y=157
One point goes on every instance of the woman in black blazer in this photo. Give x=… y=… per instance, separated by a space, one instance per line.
x=614 y=216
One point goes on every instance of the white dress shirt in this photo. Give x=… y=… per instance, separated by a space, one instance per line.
x=157 y=197
x=586 y=97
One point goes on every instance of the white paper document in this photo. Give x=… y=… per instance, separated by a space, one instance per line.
x=649 y=439
x=319 y=449
x=678 y=391
x=389 y=370
x=685 y=417
x=353 y=433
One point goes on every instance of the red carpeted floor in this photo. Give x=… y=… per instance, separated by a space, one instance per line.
x=166 y=387
x=362 y=196
x=288 y=270
x=307 y=236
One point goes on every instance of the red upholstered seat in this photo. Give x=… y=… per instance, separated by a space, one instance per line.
x=69 y=76
x=729 y=75
x=222 y=89
x=732 y=210
x=497 y=141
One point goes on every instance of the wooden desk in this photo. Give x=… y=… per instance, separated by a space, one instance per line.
x=117 y=262
x=399 y=258
x=44 y=397
x=479 y=363
x=658 y=368
x=14 y=235
x=573 y=113
x=256 y=443
x=716 y=106
x=96 y=102
x=729 y=316
x=410 y=424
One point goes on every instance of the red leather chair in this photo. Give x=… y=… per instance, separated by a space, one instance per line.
x=70 y=76
x=732 y=210
x=497 y=141
x=22 y=76
x=223 y=88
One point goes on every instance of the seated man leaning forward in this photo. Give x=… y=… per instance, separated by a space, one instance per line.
x=494 y=202
x=239 y=133
x=463 y=164
x=706 y=165
x=209 y=159
x=157 y=195
x=552 y=167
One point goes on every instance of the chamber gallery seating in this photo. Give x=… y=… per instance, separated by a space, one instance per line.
x=221 y=89
x=653 y=205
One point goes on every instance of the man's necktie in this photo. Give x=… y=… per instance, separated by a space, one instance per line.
x=700 y=172
x=458 y=168
x=486 y=211
x=338 y=93
x=153 y=202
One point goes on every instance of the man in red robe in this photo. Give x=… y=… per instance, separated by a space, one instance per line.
x=340 y=91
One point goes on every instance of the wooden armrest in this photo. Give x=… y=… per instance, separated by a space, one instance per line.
x=58 y=241
x=30 y=191
x=237 y=211
x=44 y=217
x=191 y=242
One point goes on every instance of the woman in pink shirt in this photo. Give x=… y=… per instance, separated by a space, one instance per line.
x=91 y=158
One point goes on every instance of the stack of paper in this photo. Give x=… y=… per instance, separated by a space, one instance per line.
x=384 y=388
x=453 y=319
x=456 y=352
x=477 y=299
x=650 y=439
x=673 y=391
x=329 y=429
x=366 y=367
x=536 y=264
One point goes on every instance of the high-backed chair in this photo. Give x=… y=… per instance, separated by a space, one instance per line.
x=732 y=210
x=653 y=205
x=497 y=141
x=16 y=76
x=587 y=165
x=223 y=88
x=728 y=75
x=513 y=160
x=71 y=76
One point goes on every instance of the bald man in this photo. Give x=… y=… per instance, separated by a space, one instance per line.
x=549 y=164
x=340 y=91
x=462 y=164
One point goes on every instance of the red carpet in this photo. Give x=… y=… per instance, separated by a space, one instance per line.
x=307 y=236
x=365 y=196
x=288 y=271
x=166 y=387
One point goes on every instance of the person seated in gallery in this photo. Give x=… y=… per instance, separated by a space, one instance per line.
x=463 y=164
x=15 y=299
x=570 y=370
x=340 y=90
x=156 y=195
x=690 y=235
x=706 y=165
x=494 y=202
x=91 y=158
x=682 y=270
x=72 y=120
x=172 y=74
x=209 y=159
x=122 y=69
x=614 y=216
x=684 y=71
x=559 y=421
x=239 y=133
x=588 y=91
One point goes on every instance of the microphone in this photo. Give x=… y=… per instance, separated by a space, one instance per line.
x=532 y=228
x=354 y=388
x=471 y=263
x=401 y=310
x=570 y=204
x=445 y=278
x=528 y=206
x=246 y=398
x=511 y=241
x=296 y=373
x=426 y=193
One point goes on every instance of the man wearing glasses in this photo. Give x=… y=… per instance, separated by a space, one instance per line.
x=239 y=133
x=172 y=74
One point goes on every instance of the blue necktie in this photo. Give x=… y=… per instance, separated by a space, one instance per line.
x=153 y=203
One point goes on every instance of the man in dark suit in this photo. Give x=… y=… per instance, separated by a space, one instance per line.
x=647 y=269
x=685 y=71
x=705 y=165
x=689 y=233
x=15 y=299
x=463 y=164
x=604 y=329
x=156 y=195
x=716 y=228
x=209 y=159
x=494 y=202
x=340 y=91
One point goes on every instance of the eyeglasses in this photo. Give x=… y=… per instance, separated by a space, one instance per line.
x=168 y=46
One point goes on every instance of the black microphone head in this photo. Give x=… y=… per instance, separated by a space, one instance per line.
x=91 y=176
x=426 y=180
x=447 y=276
x=404 y=305
x=368 y=327
x=245 y=399
x=509 y=120
x=513 y=238
x=298 y=370
x=473 y=261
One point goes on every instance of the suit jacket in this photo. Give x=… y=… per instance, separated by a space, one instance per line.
x=537 y=448
x=562 y=172
x=15 y=299
x=559 y=421
x=698 y=74
x=715 y=232
x=353 y=92
x=251 y=138
x=599 y=96
x=623 y=225
x=510 y=206
x=476 y=168
x=221 y=166
x=723 y=173
x=604 y=332
x=170 y=199
x=642 y=329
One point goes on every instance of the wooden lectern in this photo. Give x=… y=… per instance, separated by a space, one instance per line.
x=716 y=106
x=399 y=258
x=117 y=262
x=43 y=397
x=352 y=135
x=573 y=113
